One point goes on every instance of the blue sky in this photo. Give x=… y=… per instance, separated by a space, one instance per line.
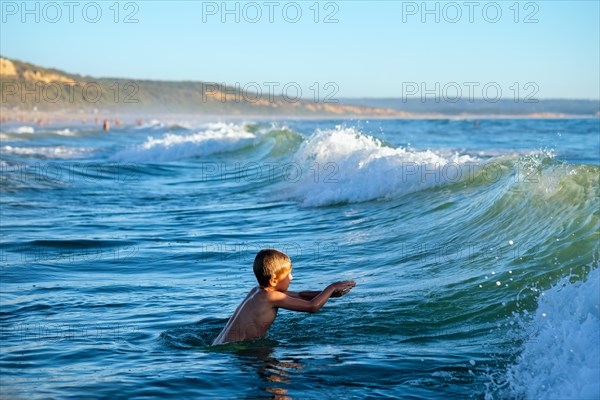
x=375 y=49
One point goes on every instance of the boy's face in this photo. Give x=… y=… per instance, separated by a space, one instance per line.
x=283 y=281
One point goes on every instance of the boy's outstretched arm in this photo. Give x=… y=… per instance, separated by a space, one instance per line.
x=283 y=300
x=311 y=294
x=304 y=295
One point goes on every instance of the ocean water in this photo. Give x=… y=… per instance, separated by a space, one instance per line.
x=474 y=248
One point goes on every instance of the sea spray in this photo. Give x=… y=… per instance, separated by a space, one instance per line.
x=560 y=357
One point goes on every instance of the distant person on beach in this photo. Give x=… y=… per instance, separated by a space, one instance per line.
x=255 y=314
x=106 y=125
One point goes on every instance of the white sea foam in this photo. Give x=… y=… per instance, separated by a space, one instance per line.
x=217 y=138
x=65 y=132
x=46 y=152
x=31 y=130
x=561 y=359
x=353 y=167
x=22 y=129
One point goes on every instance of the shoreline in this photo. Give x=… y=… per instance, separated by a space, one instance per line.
x=41 y=118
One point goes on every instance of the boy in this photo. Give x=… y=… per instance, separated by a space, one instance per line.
x=253 y=317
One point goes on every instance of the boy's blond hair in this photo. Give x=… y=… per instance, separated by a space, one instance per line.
x=270 y=263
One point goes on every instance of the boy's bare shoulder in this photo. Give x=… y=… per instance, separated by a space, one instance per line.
x=275 y=295
x=262 y=295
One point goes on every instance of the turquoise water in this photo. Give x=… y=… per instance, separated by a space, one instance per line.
x=474 y=248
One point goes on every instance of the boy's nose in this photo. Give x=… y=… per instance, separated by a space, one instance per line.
x=291 y=277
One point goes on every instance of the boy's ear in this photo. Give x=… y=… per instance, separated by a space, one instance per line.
x=273 y=282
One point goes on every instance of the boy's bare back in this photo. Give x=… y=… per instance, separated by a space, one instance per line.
x=251 y=319
x=255 y=314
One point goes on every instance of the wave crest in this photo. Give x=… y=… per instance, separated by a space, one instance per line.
x=363 y=168
x=217 y=138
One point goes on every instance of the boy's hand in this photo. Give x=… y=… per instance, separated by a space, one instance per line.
x=342 y=287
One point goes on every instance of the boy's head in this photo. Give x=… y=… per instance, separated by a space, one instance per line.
x=270 y=264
